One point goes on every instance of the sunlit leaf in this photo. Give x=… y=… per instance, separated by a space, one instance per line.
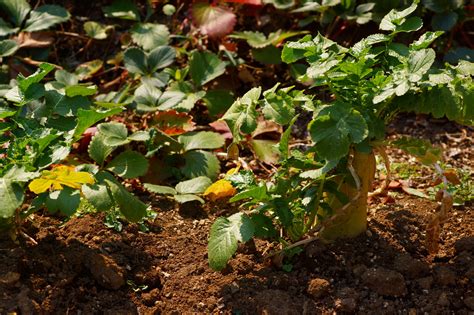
x=219 y=190
x=173 y=123
x=58 y=177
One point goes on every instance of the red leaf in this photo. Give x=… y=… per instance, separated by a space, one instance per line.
x=213 y=21
x=173 y=123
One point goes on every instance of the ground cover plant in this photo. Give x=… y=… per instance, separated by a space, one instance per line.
x=142 y=141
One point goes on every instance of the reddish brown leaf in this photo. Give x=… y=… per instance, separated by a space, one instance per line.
x=452 y=176
x=173 y=123
x=252 y=2
x=213 y=21
x=221 y=127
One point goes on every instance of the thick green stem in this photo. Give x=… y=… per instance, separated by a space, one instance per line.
x=351 y=220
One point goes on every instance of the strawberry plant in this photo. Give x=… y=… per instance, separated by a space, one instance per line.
x=324 y=190
x=41 y=122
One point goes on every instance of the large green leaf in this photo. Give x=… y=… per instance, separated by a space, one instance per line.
x=149 y=35
x=201 y=140
x=160 y=58
x=200 y=163
x=11 y=197
x=8 y=47
x=132 y=208
x=242 y=115
x=40 y=73
x=335 y=128
x=278 y=106
x=218 y=101
x=193 y=186
x=129 y=164
x=205 y=66
x=46 y=16
x=394 y=18
x=66 y=201
x=86 y=118
x=98 y=150
x=6 y=29
x=224 y=237
x=158 y=189
x=137 y=61
x=96 y=30
x=99 y=196
x=17 y=10
x=187 y=198
x=114 y=133
x=147 y=97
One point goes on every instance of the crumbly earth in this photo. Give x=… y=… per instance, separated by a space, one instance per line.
x=83 y=267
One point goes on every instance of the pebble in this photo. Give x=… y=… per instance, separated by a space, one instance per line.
x=445 y=276
x=318 y=287
x=348 y=305
x=443 y=299
x=469 y=301
x=385 y=282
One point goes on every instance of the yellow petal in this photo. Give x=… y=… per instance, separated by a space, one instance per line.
x=40 y=185
x=220 y=189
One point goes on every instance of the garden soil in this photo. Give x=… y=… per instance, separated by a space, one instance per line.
x=83 y=267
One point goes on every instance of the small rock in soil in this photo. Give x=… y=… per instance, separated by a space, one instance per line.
x=470 y=274
x=149 y=298
x=469 y=301
x=445 y=276
x=385 y=281
x=410 y=267
x=105 y=271
x=443 y=299
x=318 y=287
x=463 y=244
x=10 y=278
x=347 y=305
x=426 y=282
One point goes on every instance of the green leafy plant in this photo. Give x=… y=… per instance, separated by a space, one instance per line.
x=24 y=19
x=40 y=124
x=325 y=189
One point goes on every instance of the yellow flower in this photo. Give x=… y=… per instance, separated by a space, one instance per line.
x=58 y=177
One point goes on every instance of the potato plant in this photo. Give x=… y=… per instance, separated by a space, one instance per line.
x=324 y=189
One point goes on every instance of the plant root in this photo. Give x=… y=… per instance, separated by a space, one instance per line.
x=382 y=190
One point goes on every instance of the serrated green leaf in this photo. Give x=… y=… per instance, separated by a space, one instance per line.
x=46 y=16
x=41 y=72
x=200 y=163
x=187 y=198
x=224 y=237
x=99 y=196
x=80 y=90
x=96 y=30
x=150 y=35
x=193 y=186
x=135 y=60
x=242 y=115
x=334 y=129
x=98 y=150
x=205 y=67
x=66 y=201
x=129 y=164
x=201 y=140
x=396 y=17
x=6 y=29
x=419 y=62
x=17 y=10
x=160 y=57
x=130 y=206
x=114 y=133
x=11 y=197
x=86 y=118
x=258 y=193
x=425 y=40
x=8 y=47
x=66 y=78
x=158 y=189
